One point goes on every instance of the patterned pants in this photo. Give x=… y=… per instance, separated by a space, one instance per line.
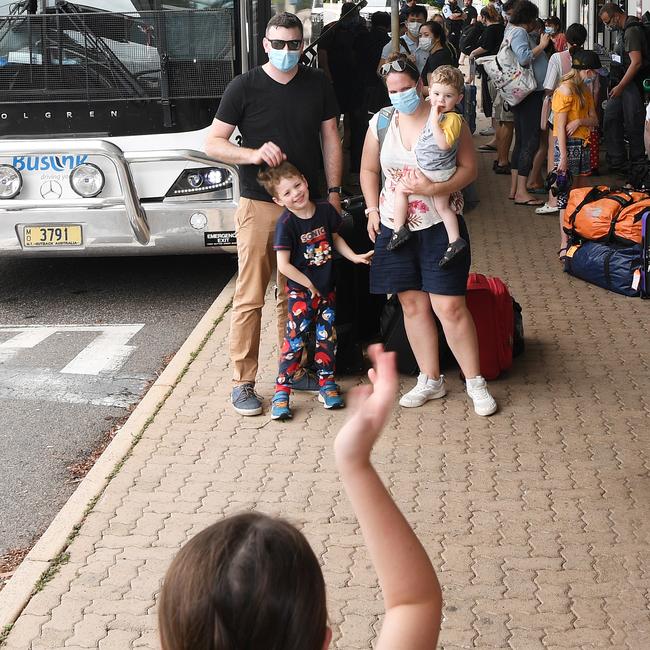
x=303 y=312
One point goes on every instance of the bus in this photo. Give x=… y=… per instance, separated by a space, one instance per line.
x=104 y=107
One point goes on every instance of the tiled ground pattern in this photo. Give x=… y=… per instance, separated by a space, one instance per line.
x=536 y=519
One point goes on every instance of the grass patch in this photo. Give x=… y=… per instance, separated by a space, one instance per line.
x=60 y=560
x=4 y=633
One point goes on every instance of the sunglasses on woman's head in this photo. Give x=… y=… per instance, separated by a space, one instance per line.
x=278 y=44
x=399 y=65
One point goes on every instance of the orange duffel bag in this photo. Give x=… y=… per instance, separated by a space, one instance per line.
x=605 y=214
x=628 y=226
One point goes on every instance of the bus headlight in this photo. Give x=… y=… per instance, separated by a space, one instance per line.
x=215 y=180
x=11 y=182
x=87 y=180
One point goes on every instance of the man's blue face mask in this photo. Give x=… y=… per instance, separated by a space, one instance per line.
x=284 y=60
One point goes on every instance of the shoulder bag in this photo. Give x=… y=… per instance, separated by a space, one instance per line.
x=513 y=80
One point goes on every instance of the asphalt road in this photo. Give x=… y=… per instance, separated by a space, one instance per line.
x=80 y=340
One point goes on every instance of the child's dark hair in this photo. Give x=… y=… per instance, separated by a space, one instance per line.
x=524 y=12
x=576 y=35
x=269 y=177
x=248 y=581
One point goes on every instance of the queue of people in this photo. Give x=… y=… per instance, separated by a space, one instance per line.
x=557 y=132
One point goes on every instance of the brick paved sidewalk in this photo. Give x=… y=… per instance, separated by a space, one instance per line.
x=536 y=518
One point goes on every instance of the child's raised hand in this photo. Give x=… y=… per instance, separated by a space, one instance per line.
x=363 y=258
x=371 y=407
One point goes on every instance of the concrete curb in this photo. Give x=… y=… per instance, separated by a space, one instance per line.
x=18 y=591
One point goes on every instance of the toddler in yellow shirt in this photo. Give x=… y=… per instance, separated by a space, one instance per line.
x=435 y=152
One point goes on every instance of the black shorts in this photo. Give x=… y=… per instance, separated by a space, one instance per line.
x=415 y=264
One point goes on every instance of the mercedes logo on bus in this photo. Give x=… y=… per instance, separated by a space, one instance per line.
x=51 y=190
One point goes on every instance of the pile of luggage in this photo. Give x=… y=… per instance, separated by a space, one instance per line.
x=609 y=242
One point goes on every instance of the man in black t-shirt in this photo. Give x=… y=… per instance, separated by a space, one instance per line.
x=624 y=112
x=284 y=111
x=469 y=13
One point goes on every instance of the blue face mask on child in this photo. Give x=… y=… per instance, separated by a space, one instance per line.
x=406 y=102
x=284 y=60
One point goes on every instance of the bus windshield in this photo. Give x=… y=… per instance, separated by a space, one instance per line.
x=162 y=56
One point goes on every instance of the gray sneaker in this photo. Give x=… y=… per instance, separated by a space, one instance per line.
x=245 y=400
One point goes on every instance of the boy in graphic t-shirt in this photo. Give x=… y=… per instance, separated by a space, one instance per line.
x=305 y=235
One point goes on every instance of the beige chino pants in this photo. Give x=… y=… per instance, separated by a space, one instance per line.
x=255 y=227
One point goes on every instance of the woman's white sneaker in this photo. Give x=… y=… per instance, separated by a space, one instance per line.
x=423 y=391
x=484 y=403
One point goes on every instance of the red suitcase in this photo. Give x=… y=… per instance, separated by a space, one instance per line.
x=491 y=306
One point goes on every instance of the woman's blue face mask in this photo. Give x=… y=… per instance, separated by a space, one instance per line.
x=407 y=101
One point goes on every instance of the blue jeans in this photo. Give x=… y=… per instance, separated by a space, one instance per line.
x=624 y=116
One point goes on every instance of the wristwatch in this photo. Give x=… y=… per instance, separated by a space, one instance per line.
x=336 y=189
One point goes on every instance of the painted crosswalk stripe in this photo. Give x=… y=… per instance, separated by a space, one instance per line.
x=106 y=353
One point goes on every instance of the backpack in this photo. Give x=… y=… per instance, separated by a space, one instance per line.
x=603 y=214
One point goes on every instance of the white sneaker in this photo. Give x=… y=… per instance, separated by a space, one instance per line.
x=423 y=391
x=488 y=131
x=484 y=403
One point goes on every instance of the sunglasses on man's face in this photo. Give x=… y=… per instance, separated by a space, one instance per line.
x=278 y=44
x=399 y=65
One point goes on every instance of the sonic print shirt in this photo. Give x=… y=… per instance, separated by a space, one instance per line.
x=311 y=244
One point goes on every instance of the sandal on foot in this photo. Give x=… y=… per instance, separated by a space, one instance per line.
x=531 y=203
x=455 y=248
x=561 y=254
x=399 y=238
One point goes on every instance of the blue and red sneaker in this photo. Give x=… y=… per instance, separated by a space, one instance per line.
x=280 y=406
x=330 y=395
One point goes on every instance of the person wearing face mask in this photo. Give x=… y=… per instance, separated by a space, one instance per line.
x=433 y=40
x=284 y=111
x=413 y=272
x=574 y=114
x=409 y=43
x=527 y=114
x=553 y=27
x=559 y=65
x=624 y=111
x=454 y=17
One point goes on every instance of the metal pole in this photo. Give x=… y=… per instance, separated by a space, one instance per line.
x=394 y=24
x=591 y=24
x=572 y=12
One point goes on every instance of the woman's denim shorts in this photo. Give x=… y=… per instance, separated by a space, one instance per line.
x=414 y=265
